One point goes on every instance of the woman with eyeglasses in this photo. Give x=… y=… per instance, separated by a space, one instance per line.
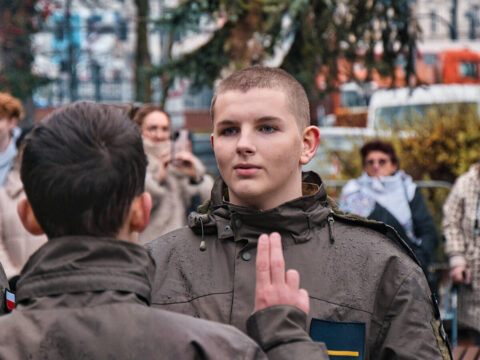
x=385 y=193
x=174 y=174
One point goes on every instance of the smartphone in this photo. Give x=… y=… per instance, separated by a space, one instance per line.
x=181 y=143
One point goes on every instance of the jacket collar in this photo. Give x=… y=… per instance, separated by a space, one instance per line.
x=84 y=264
x=293 y=219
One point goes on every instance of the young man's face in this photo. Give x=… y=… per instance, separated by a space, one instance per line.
x=258 y=147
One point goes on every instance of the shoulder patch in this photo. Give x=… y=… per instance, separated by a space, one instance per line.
x=344 y=340
x=442 y=341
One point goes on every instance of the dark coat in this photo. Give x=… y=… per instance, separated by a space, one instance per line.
x=366 y=292
x=87 y=298
x=424 y=226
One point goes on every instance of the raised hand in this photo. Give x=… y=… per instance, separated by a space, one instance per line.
x=274 y=286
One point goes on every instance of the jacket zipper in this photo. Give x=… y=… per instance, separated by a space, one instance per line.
x=330 y=221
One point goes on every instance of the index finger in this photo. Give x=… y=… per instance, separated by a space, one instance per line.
x=277 y=262
x=263 y=261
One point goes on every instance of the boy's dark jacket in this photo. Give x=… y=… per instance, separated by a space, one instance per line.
x=357 y=278
x=87 y=298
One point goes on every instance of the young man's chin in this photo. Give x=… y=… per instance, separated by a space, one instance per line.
x=245 y=196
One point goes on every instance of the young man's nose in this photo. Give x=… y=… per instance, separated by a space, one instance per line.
x=245 y=145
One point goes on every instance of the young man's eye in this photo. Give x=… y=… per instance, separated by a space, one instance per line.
x=229 y=131
x=267 y=129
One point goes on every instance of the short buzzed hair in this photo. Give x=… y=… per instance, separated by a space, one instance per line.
x=82 y=166
x=262 y=77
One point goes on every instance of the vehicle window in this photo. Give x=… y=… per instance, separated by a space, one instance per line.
x=468 y=69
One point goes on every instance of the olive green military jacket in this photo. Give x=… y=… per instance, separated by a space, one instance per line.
x=369 y=298
x=87 y=298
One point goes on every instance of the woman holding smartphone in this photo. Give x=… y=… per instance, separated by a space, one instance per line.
x=174 y=173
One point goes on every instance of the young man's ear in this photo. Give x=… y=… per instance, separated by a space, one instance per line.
x=140 y=212
x=310 y=139
x=27 y=217
x=212 y=144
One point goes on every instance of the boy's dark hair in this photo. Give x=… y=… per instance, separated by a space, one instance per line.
x=378 y=145
x=82 y=166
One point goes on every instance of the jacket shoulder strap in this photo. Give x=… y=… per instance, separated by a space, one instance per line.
x=378 y=226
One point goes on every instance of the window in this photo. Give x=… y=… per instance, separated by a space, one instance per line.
x=468 y=69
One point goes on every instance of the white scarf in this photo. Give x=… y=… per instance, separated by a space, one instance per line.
x=392 y=192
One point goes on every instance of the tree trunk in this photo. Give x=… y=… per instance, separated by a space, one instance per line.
x=143 y=90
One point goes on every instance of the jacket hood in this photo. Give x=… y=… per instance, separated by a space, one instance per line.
x=292 y=219
x=82 y=264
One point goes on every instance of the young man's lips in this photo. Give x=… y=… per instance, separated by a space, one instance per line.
x=245 y=170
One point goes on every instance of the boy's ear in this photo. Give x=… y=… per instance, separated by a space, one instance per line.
x=27 y=217
x=140 y=212
x=212 y=142
x=310 y=140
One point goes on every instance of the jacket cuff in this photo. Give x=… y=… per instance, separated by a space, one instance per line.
x=276 y=325
x=457 y=260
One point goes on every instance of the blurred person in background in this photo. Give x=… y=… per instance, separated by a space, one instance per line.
x=172 y=179
x=16 y=244
x=385 y=193
x=11 y=113
x=461 y=214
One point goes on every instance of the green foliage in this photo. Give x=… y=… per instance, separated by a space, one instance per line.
x=444 y=145
x=202 y=65
x=320 y=32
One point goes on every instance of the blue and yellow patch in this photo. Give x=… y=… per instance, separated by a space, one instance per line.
x=344 y=340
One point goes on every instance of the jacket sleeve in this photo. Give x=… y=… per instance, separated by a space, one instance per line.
x=280 y=332
x=409 y=325
x=453 y=212
x=3 y=286
x=424 y=227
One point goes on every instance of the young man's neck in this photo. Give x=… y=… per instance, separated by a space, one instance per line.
x=126 y=235
x=267 y=201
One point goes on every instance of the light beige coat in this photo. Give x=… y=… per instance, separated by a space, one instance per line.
x=463 y=243
x=171 y=197
x=16 y=244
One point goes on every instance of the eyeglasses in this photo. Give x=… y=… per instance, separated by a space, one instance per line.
x=380 y=162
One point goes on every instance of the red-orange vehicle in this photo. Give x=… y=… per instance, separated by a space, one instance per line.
x=460 y=67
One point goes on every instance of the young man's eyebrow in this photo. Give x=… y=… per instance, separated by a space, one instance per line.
x=226 y=122
x=267 y=119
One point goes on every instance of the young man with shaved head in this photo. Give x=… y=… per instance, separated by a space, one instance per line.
x=368 y=296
